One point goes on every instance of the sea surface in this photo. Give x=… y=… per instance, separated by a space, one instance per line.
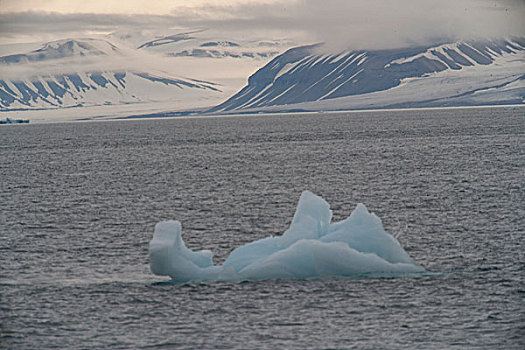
x=79 y=202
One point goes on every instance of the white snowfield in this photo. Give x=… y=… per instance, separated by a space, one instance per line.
x=312 y=247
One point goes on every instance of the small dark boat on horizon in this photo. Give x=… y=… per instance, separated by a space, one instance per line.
x=14 y=121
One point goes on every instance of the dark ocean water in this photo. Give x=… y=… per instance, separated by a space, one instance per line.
x=79 y=202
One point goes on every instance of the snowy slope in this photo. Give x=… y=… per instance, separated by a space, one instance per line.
x=477 y=72
x=91 y=89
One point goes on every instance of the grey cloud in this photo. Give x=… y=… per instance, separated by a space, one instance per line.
x=42 y=23
x=372 y=23
x=340 y=23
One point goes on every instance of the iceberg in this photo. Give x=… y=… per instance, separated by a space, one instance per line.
x=312 y=247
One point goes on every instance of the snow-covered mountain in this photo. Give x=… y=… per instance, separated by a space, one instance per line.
x=87 y=72
x=64 y=49
x=202 y=44
x=459 y=73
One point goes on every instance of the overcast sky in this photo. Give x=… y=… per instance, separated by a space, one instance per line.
x=340 y=23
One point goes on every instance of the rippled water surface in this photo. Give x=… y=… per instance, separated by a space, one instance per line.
x=79 y=202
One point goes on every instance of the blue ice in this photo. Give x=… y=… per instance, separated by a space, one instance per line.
x=312 y=247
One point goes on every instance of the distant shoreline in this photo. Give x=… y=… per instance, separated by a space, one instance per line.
x=188 y=114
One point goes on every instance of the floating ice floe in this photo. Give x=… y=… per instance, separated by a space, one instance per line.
x=312 y=247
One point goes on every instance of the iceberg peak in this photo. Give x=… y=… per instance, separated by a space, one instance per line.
x=310 y=221
x=311 y=247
